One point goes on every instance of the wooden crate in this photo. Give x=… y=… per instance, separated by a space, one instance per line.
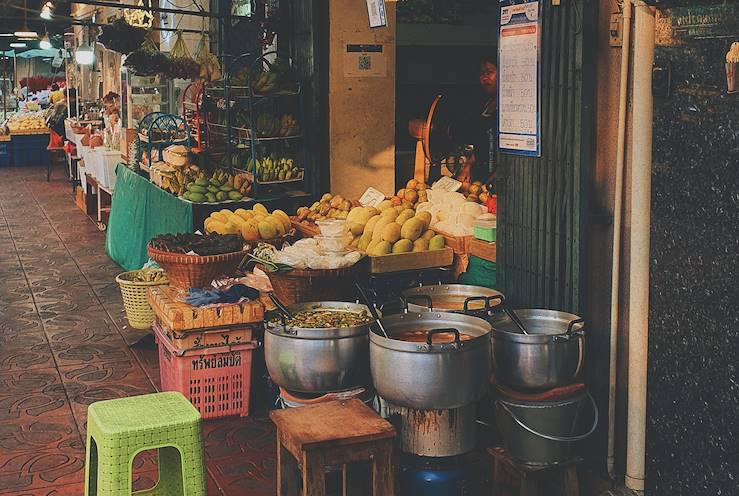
x=460 y=244
x=306 y=230
x=177 y=315
x=482 y=249
x=207 y=338
x=397 y=262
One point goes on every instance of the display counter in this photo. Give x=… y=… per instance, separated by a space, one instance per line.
x=140 y=210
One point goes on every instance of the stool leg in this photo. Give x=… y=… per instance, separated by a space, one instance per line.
x=287 y=472
x=528 y=486
x=383 y=477
x=91 y=467
x=314 y=474
x=497 y=478
x=570 y=482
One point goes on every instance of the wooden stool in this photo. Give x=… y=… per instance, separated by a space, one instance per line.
x=534 y=480
x=329 y=434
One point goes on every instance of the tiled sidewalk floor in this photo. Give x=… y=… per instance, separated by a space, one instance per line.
x=64 y=343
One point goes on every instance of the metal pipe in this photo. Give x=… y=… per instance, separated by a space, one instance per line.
x=623 y=92
x=81 y=22
x=116 y=5
x=640 y=213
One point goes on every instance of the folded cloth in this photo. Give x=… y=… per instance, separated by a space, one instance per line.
x=201 y=297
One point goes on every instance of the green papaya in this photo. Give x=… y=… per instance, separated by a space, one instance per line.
x=235 y=195
x=211 y=197
x=197 y=197
x=201 y=182
x=226 y=188
x=221 y=196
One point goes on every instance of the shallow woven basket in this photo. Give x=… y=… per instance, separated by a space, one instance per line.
x=194 y=271
x=138 y=312
x=303 y=285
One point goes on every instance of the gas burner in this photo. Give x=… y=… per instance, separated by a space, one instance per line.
x=435 y=433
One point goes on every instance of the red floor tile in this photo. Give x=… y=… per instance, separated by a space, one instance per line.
x=41 y=469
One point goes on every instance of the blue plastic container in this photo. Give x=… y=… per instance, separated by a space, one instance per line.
x=5 y=154
x=425 y=476
x=30 y=150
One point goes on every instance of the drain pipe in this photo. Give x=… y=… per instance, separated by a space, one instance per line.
x=641 y=176
x=623 y=92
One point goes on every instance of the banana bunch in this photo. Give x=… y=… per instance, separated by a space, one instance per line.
x=288 y=125
x=266 y=82
x=268 y=125
x=272 y=168
x=180 y=178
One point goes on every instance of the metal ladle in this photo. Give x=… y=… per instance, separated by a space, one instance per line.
x=371 y=307
x=512 y=315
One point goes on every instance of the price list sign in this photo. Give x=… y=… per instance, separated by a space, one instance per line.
x=518 y=80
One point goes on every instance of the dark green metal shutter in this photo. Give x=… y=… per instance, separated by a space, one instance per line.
x=541 y=200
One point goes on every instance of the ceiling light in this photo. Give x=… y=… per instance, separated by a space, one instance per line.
x=6 y=35
x=84 y=55
x=26 y=33
x=17 y=44
x=46 y=11
x=45 y=42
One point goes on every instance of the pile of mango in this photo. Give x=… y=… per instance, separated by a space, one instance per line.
x=254 y=224
x=328 y=207
x=392 y=229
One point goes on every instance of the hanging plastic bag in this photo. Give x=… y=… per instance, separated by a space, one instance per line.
x=210 y=69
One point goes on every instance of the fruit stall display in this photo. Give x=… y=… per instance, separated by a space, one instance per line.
x=260 y=129
x=254 y=224
x=27 y=122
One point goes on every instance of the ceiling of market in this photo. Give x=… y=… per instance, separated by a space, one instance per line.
x=16 y=12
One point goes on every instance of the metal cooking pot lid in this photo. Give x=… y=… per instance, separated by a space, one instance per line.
x=537 y=321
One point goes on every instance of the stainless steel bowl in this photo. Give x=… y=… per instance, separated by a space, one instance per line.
x=320 y=360
x=549 y=356
x=430 y=376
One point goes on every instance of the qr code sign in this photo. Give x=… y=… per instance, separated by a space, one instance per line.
x=364 y=63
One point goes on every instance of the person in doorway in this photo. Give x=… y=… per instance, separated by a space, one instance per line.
x=480 y=128
x=56 y=95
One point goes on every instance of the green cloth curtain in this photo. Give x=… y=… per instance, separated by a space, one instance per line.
x=140 y=210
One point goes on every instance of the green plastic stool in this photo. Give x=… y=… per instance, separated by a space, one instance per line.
x=117 y=430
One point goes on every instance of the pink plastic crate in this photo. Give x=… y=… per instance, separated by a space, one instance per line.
x=215 y=380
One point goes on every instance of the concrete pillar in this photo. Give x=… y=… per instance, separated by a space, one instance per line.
x=361 y=108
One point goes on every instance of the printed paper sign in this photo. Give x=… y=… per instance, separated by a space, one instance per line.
x=371 y=197
x=518 y=80
x=376 y=12
x=446 y=183
x=365 y=61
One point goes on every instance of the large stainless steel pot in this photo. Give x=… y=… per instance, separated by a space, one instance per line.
x=477 y=301
x=318 y=360
x=549 y=356
x=430 y=376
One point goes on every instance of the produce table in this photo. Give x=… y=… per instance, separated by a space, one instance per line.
x=141 y=210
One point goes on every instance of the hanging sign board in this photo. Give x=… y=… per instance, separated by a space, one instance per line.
x=376 y=13
x=519 y=99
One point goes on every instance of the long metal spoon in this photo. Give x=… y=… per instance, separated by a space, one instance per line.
x=371 y=307
x=512 y=315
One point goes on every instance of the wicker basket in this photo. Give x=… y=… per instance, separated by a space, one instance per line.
x=194 y=271
x=138 y=312
x=304 y=285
